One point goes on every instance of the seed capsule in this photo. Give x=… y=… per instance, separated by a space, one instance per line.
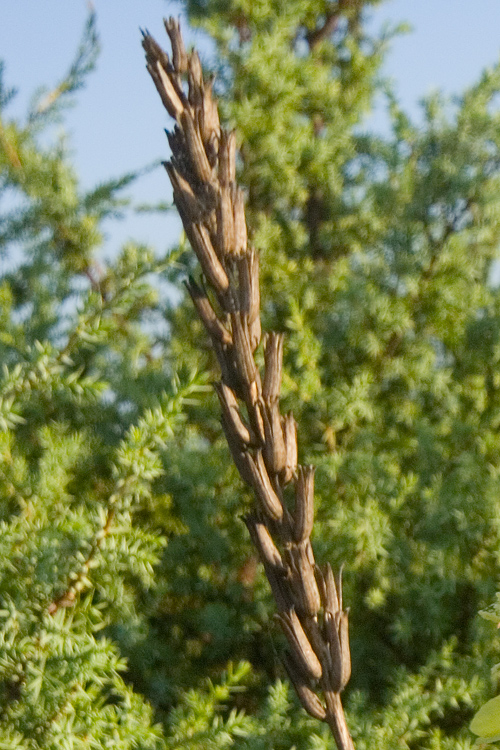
x=263 y=488
x=332 y=636
x=249 y=294
x=195 y=80
x=255 y=412
x=179 y=56
x=304 y=503
x=240 y=224
x=210 y=124
x=177 y=145
x=213 y=325
x=154 y=52
x=225 y=223
x=199 y=159
x=273 y=358
x=242 y=351
x=169 y=96
x=227 y=158
x=299 y=643
x=331 y=603
x=191 y=206
x=212 y=268
x=232 y=417
x=307 y=697
x=241 y=458
x=253 y=263
x=254 y=332
x=344 y=647
x=279 y=587
x=305 y=586
x=274 y=445
x=227 y=366
x=290 y=433
x=263 y=541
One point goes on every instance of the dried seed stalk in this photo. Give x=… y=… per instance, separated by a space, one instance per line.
x=263 y=443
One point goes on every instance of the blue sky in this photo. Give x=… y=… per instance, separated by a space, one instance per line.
x=117 y=122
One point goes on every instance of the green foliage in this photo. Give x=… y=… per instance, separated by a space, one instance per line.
x=93 y=441
x=377 y=256
x=48 y=103
x=88 y=409
x=196 y=724
x=127 y=582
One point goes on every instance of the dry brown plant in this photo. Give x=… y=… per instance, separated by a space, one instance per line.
x=262 y=441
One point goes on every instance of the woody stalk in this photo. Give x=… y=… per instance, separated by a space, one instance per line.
x=262 y=441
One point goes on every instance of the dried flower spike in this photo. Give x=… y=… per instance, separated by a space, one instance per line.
x=263 y=443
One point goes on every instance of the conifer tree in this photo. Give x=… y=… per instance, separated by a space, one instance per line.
x=128 y=584
x=83 y=437
x=92 y=410
x=92 y=416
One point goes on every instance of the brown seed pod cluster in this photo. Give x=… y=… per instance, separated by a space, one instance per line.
x=262 y=441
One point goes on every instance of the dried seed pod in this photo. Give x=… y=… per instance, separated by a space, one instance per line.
x=279 y=587
x=212 y=324
x=227 y=158
x=274 y=445
x=269 y=500
x=202 y=197
x=210 y=124
x=242 y=351
x=227 y=366
x=331 y=603
x=248 y=277
x=290 y=432
x=225 y=223
x=320 y=580
x=212 y=147
x=202 y=171
x=273 y=356
x=249 y=294
x=168 y=94
x=242 y=460
x=333 y=638
x=305 y=586
x=344 y=647
x=199 y=159
x=317 y=640
x=240 y=224
x=154 y=53
x=252 y=261
x=254 y=333
x=304 y=503
x=255 y=413
x=185 y=198
x=195 y=79
x=307 y=697
x=299 y=644
x=200 y=241
x=263 y=541
x=179 y=56
x=177 y=146
x=232 y=417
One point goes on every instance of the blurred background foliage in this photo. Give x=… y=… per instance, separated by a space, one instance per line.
x=128 y=587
